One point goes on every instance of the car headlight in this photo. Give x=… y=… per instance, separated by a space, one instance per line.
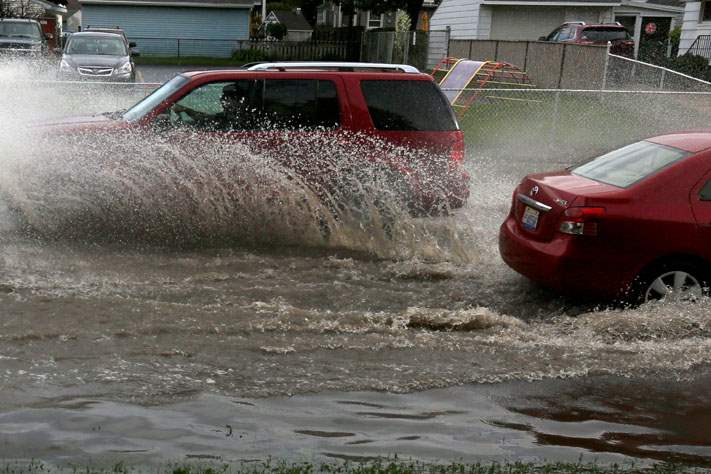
x=64 y=66
x=124 y=69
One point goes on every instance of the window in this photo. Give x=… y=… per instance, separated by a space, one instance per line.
x=220 y=106
x=296 y=104
x=705 y=11
x=554 y=35
x=98 y=46
x=142 y=108
x=408 y=105
x=566 y=34
x=705 y=193
x=630 y=164
x=375 y=21
x=19 y=30
x=272 y=104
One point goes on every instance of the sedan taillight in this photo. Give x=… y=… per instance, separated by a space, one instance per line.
x=581 y=220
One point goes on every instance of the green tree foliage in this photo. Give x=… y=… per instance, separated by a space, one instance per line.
x=277 y=30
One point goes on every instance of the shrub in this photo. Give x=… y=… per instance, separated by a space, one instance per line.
x=277 y=30
x=250 y=55
x=690 y=64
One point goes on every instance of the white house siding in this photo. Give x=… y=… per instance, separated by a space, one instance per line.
x=691 y=27
x=523 y=22
x=461 y=15
x=469 y=19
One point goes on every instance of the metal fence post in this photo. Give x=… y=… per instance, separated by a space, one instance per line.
x=179 y=61
x=607 y=65
x=449 y=35
x=556 y=117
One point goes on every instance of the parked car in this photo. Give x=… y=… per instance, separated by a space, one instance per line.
x=634 y=223
x=97 y=56
x=22 y=38
x=621 y=43
x=368 y=109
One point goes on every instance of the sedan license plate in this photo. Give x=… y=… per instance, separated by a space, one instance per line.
x=530 y=218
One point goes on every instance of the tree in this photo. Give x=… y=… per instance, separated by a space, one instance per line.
x=19 y=9
x=276 y=30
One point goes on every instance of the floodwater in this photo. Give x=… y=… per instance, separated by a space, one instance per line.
x=148 y=300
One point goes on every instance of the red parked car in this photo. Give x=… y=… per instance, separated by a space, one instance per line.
x=634 y=223
x=579 y=32
x=384 y=115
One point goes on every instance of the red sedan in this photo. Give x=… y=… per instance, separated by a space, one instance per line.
x=634 y=223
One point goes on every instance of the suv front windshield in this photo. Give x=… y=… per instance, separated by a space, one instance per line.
x=19 y=30
x=142 y=108
x=97 y=45
x=630 y=164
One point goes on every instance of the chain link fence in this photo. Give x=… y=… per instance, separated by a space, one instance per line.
x=626 y=73
x=566 y=126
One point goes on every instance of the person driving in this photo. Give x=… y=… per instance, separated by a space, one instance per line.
x=234 y=101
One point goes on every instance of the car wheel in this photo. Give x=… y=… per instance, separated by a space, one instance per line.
x=676 y=281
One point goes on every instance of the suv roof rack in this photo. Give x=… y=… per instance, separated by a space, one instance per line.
x=338 y=66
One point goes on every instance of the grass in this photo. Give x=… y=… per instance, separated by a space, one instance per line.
x=572 y=123
x=391 y=466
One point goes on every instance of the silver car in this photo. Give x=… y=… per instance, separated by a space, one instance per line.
x=97 y=56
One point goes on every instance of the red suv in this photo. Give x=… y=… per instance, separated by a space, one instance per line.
x=584 y=33
x=389 y=116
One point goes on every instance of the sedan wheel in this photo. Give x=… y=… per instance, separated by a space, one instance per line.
x=674 y=286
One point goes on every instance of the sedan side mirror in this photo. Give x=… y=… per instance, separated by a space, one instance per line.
x=543 y=38
x=49 y=36
x=132 y=44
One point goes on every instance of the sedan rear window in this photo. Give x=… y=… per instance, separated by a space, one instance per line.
x=630 y=164
x=408 y=106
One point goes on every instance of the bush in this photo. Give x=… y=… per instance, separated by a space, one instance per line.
x=250 y=55
x=277 y=30
x=690 y=64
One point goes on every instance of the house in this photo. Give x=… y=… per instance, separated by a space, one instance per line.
x=297 y=28
x=696 y=28
x=174 y=27
x=331 y=14
x=531 y=19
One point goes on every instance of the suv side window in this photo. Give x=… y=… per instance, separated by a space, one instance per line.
x=705 y=193
x=219 y=106
x=407 y=106
x=566 y=34
x=297 y=104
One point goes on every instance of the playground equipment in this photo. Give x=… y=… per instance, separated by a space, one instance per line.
x=464 y=80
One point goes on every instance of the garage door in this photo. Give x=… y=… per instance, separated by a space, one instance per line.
x=523 y=22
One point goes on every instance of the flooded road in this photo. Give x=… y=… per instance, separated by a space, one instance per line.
x=416 y=341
